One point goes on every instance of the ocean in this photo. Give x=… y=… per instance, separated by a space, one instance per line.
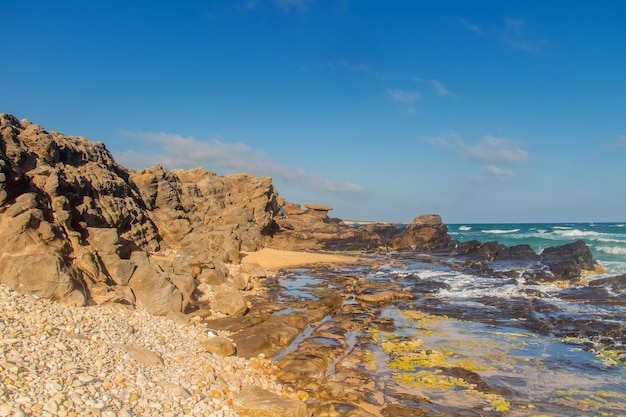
x=607 y=241
x=481 y=345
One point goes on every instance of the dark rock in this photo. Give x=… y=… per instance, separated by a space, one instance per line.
x=568 y=262
x=616 y=283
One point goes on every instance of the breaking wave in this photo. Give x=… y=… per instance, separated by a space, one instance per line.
x=613 y=250
x=501 y=231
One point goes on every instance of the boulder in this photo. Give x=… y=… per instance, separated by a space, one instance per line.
x=44 y=274
x=219 y=345
x=424 y=233
x=228 y=300
x=568 y=262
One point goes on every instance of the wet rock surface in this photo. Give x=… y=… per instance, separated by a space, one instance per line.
x=328 y=330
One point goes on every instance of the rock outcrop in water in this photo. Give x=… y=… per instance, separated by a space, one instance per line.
x=312 y=229
x=78 y=227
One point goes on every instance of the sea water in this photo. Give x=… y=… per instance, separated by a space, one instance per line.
x=607 y=241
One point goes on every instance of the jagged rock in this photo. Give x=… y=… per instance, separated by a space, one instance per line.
x=568 y=262
x=76 y=225
x=253 y=401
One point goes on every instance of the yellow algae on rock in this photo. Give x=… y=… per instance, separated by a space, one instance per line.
x=390 y=346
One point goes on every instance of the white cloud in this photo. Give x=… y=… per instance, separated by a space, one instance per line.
x=469 y=26
x=492 y=149
x=489 y=150
x=175 y=151
x=440 y=89
x=403 y=96
x=436 y=85
x=499 y=172
x=513 y=34
x=620 y=141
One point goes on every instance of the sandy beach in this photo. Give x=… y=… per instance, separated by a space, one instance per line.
x=275 y=259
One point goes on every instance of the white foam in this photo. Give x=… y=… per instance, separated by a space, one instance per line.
x=613 y=250
x=506 y=291
x=432 y=274
x=607 y=240
x=465 y=228
x=576 y=233
x=501 y=231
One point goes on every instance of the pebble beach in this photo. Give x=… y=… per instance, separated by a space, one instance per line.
x=115 y=361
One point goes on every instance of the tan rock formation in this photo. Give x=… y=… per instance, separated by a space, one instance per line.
x=318 y=207
x=78 y=227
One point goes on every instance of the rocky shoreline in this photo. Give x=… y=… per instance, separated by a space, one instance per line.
x=155 y=295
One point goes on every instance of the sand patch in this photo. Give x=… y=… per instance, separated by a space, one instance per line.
x=274 y=259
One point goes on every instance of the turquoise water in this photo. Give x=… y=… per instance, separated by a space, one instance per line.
x=607 y=241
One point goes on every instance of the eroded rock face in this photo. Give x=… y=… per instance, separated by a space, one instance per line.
x=78 y=227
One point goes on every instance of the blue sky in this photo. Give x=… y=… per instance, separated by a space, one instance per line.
x=481 y=111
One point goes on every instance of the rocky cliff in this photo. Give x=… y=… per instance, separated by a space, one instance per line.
x=79 y=228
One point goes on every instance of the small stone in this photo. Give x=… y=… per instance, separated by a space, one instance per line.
x=143 y=355
x=60 y=346
x=51 y=406
x=174 y=389
x=5 y=410
x=75 y=398
x=53 y=387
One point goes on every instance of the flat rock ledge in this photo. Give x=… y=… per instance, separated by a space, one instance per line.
x=256 y=402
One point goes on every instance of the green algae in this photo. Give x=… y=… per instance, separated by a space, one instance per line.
x=430 y=353
x=602 y=400
x=419 y=366
x=428 y=379
x=370 y=362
